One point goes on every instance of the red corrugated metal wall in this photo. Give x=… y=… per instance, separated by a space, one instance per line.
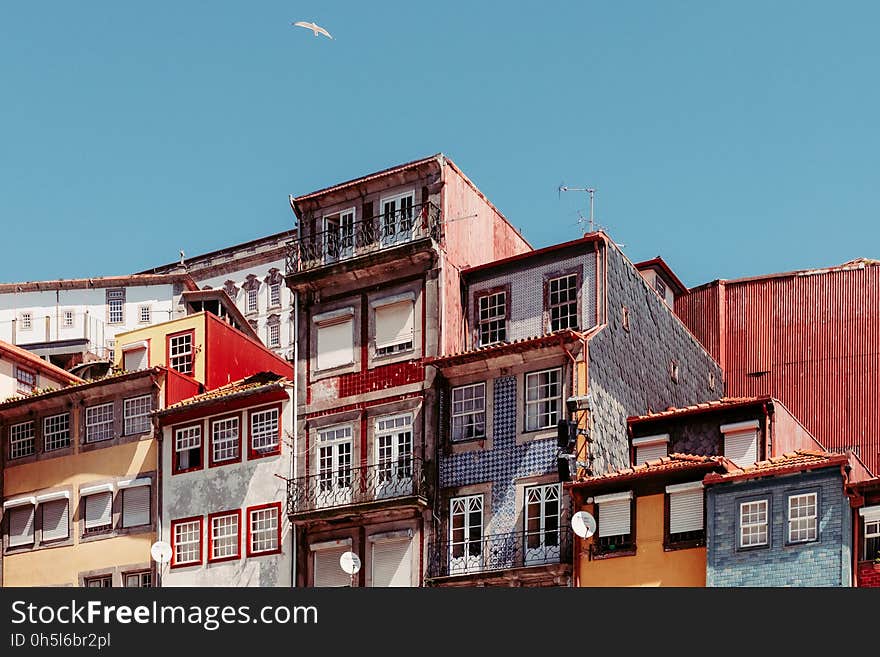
x=812 y=341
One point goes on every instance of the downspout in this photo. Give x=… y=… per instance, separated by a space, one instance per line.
x=294 y=404
x=157 y=433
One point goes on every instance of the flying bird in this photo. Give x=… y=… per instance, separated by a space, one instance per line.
x=317 y=29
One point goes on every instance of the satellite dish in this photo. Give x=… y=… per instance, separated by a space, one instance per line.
x=161 y=552
x=583 y=524
x=350 y=562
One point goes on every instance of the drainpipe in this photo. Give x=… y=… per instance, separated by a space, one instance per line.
x=295 y=401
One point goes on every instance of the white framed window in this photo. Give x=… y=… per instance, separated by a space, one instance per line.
x=142 y=579
x=225 y=439
x=67 y=319
x=492 y=318
x=753 y=523
x=264 y=431
x=20 y=523
x=541 y=514
x=649 y=448
x=397 y=217
x=615 y=521
x=99 y=422
x=25 y=380
x=99 y=512
x=116 y=306
x=273 y=335
x=469 y=411
x=188 y=448
x=102 y=582
x=334 y=465
x=180 y=352
x=335 y=340
x=274 y=294
x=394 y=327
x=135 y=358
x=685 y=512
x=187 y=537
x=391 y=562
x=802 y=518
x=562 y=305
x=741 y=442
x=872 y=538
x=111 y=350
x=21 y=440
x=26 y=321
x=136 y=414
x=660 y=286
x=264 y=529
x=56 y=520
x=394 y=455
x=465 y=534
x=253 y=299
x=56 y=432
x=543 y=399
x=339 y=231
x=224 y=536
x=145 y=314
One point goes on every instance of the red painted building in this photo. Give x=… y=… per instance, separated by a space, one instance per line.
x=809 y=338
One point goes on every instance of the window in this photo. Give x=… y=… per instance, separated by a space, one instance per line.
x=273 y=335
x=872 y=539
x=562 y=303
x=391 y=562
x=56 y=432
x=135 y=358
x=223 y=536
x=465 y=534
x=802 y=526
x=394 y=456
x=543 y=399
x=492 y=319
x=469 y=412
x=67 y=320
x=99 y=422
x=186 y=537
x=56 y=520
x=188 y=448
x=340 y=235
x=25 y=380
x=20 y=521
x=252 y=299
x=541 y=524
x=274 y=294
x=335 y=346
x=397 y=218
x=753 y=523
x=145 y=314
x=143 y=579
x=102 y=582
x=115 y=306
x=136 y=504
x=21 y=440
x=111 y=350
x=741 y=442
x=136 y=414
x=615 y=523
x=180 y=352
x=265 y=433
x=685 y=504
x=649 y=448
x=660 y=286
x=334 y=466
x=394 y=328
x=98 y=513
x=26 y=321
x=327 y=572
x=264 y=529
x=225 y=440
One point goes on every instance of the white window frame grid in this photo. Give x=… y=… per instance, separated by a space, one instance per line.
x=191 y=531
x=872 y=531
x=145 y=314
x=99 y=582
x=56 y=432
x=264 y=438
x=99 y=422
x=263 y=525
x=253 y=300
x=803 y=519
x=468 y=412
x=225 y=439
x=139 y=420
x=491 y=323
x=273 y=335
x=144 y=579
x=22 y=440
x=394 y=464
x=755 y=532
x=466 y=553
x=185 y=440
x=116 y=306
x=226 y=535
x=25 y=380
x=26 y=319
x=274 y=295
x=182 y=360
x=553 y=416
x=67 y=319
x=570 y=291
x=334 y=462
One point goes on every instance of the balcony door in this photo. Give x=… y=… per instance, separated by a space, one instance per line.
x=394 y=456
x=339 y=236
x=397 y=218
x=541 y=524
x=334 y=467
x=465 y=534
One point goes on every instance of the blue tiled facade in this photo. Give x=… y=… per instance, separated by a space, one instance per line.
x=824 y=562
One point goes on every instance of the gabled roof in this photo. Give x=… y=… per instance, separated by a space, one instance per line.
x=660 y=263
x=789 y=463
x=98 y=282
x=673 y=463
x=256 y=383
x=588 y=238
x=704 y=407
x=114 y=377
x=503 y=348
x=28 y=359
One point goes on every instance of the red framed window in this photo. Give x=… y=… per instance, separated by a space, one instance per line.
x=181 y=352
x=25 y=380
x=187 y=448
x=186 y=541
x=225 y=440
x=264 y=431
x=224 y=536
x=264 y=529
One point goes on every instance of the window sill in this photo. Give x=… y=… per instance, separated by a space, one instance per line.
x=470 y=445
x=628 y=552
x=177 y=472
x=97 y=536
x=752 y=548
x=683 y=545
x=223 y=559
x=265 y=553
x=253 y=455
x=188 y=564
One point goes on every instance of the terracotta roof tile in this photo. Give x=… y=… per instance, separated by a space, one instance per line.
x=802 y=459
x=671 y=463
x=45 y=392
x=513 y=346
x=724 y=402
x=253 y=382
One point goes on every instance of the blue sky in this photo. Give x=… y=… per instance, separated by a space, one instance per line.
x=732 y=138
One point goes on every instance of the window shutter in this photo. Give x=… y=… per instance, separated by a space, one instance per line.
x=614 y=517
x=136 y=506
x=99 y=508
x=392 y=563
x=134 y=359
x=55 y=520
x=741 y=448
x=21 y=526
x=394 y=324
x=336 y=343
x=328 y=572
x=650 y=452
x=686 y=511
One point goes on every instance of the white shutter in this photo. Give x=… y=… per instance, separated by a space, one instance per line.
x=134 y=359
x=614 y=514
x=650 y=452
x=21 y=526
x=686 y=511
x=392 y=563
x=328 y=572
x=336 y=343
x=55 y=520
x=99 y=508
x=741 y=448
x=136 y=506
x=394 y=324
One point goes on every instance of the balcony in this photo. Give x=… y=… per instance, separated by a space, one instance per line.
x=397 y=482
x=346 y=240
x=499 y=552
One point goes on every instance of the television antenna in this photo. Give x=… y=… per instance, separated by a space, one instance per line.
x=592 y=192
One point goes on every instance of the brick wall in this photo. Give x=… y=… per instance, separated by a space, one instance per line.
x=868 y=576
x=629 y=370
x=825 y=562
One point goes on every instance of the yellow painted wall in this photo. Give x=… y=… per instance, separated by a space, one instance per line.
x=156 y=335
x=651 y=565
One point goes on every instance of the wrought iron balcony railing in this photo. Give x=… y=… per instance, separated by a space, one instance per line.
x=346 y=240
x=499 y=552
x=346 y=486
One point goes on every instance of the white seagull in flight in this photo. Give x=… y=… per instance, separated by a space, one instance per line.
x=317 y=29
